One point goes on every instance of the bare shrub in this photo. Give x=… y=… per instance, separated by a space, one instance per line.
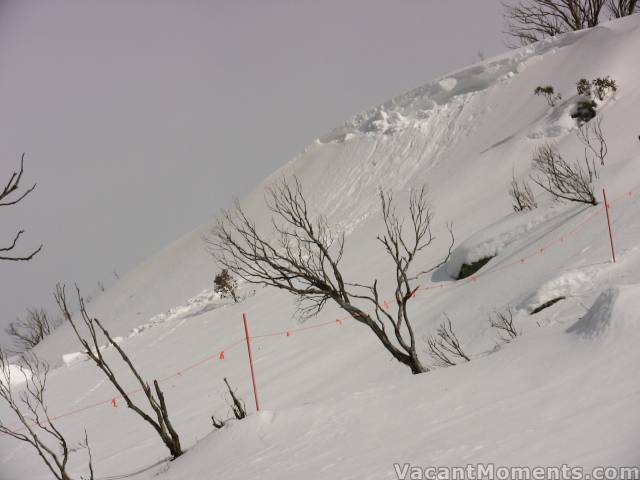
x=622 y=8
x=155 y=398
x=444 y=347
x=237 y=407
x=522 y=195
x=531 y=20
x=304 y=260
x=503 y=322
x=549 y=95
x=7 y=200
x=226 y=285
x=236 y=404
x=592 y=137
x=31 y=330
x=563 y=180
x=36 y=427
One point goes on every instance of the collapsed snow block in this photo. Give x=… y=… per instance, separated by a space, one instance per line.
x=468 y=269
x=541 y=307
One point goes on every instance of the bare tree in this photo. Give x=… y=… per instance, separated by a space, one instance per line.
x=531 y=20
x=563 y=180
x=305 y=256
x=9 y=190
x=592 y=137
x=522 y=195
x=36 y=427
x=444 y=347
x=155 y=398
x=30 y=331
x=622 y=8
x=503 y=322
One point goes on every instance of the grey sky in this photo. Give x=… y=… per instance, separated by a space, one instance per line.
x=140 y=119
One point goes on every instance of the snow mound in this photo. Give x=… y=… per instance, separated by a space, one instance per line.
x=16 y=375
x=490 y=241
x=568 y=284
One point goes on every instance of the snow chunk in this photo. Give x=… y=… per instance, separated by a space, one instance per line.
x=71 y=358
x=492 y=240
x=448 y=84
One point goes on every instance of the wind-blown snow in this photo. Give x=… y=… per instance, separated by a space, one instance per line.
x=335 y=404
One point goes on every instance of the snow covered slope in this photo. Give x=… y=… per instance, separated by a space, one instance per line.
x=334 y=404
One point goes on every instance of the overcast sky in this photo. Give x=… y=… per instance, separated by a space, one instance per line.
x=140 y=119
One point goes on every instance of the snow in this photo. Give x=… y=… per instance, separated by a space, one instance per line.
x=334 y=404
x=17 y=375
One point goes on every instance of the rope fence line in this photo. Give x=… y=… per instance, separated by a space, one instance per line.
x=220 y=355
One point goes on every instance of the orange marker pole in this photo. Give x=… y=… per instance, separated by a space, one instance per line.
x=253 y=373
x=606 y=207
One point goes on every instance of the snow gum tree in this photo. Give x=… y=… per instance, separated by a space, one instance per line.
x=304 y=259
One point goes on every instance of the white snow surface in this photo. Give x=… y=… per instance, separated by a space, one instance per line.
x=334 y=404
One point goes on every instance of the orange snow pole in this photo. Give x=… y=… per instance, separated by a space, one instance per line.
x=606 y=207
x=253 y=373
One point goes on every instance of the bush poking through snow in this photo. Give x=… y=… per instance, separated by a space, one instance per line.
x=549 y=95
x=601 y=87
x=237 y=407
x=155 y=398
x=551 y=302
x=564 y=180
x=468 y=269
x=444 y=347
x=522 y=196
x=622 y=8
x=590 y=91
x=531 y=20
x=592 y=137
x=585 y=111
x=503 y=322
x=36 y=427
x=217 y=424
x=31 y=330
x=226 y=285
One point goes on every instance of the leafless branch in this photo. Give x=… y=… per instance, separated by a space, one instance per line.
x=37 y=428
x=155 y=398
x=11 y=188
x=522 y=195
